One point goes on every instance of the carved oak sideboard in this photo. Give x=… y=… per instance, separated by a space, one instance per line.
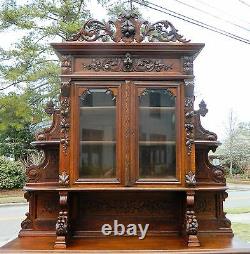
x=126 y=144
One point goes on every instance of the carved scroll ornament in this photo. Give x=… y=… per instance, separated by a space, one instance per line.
x=128 y=28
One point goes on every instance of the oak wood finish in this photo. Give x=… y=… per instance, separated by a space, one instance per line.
x=185 y=212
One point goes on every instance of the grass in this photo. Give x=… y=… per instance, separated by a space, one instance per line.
x=11 y=196
x=237 y=210
x=242 y=231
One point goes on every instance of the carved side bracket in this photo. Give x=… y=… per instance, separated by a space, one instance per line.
x=200 y=132
x=223 y=221
x=27 y=222
x=191 y=223
x=62 y=225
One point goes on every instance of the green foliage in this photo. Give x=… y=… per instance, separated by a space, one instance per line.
x=12 y=174
x=30 y=65
x=236 y=149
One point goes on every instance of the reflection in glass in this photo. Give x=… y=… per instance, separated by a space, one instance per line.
x=97 y=134
x=157 y=134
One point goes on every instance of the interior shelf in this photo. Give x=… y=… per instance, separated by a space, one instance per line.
x=159 y=108
x=157 y=142
x=97 y=108
x=97 y=142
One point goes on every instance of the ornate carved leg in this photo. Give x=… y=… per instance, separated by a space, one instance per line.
x=191 y=221
x=62 y=225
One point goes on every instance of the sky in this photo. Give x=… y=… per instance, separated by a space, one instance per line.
x=222 y=69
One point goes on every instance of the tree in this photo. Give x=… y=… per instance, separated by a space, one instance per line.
x=235 y=151
x=30 y=65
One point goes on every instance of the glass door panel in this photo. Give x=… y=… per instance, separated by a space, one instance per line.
x=97 y=134
x=157 y=134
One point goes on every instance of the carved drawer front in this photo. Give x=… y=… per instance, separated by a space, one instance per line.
x=126 y=63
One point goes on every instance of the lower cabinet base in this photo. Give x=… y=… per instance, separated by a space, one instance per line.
x=169 y=244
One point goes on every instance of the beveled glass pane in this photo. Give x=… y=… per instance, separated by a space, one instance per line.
x=97 y=134
x=157 y=134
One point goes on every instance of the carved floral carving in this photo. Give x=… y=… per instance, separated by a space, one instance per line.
x=64 y=179
x=128 y=28
x=65 y=124
x=66 y=64
x=127 y=64
x=188 y=65
x=190 y=179
x=189 y=114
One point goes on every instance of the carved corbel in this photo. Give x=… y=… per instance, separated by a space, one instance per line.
x=191 y=222
x=62 y=224
x=66 y=64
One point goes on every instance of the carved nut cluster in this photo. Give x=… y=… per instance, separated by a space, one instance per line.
x=191 y=223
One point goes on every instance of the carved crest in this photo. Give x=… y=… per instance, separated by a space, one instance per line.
x=128 y=28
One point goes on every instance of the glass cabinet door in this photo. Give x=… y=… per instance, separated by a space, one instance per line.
x=157 y=134
x=97 y=125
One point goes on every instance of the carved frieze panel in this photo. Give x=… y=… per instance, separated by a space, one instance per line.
x=126 y=63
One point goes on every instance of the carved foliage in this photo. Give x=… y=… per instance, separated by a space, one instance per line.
x=127 y=64
x=128 y=29
x=64 y=179
x=190 y=179
x=189 y=113
x=191 y=223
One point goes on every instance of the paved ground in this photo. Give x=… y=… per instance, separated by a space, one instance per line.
x=10 y=218
x=12 y=215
